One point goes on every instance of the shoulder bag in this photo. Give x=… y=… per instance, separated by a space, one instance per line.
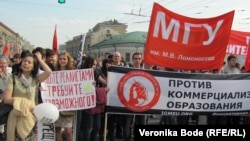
x=101 y=101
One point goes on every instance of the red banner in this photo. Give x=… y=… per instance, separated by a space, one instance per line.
x=247 y=61
x=238 y=43
x=180 y=42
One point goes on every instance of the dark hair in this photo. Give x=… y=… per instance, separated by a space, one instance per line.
x=49 y=52
x=41 y=50
x=88 y=62
x=24 y=53
x=83 y=60
x=230 y=57
x=110 y=56
x=136 y=53
x=242 y=68
x=17 y=55
x=16 y=67
x=155 y=67
x=237 y=65
x=35 y=66
x=104 y=68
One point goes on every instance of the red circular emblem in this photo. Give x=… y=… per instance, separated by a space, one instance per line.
x=138 y=91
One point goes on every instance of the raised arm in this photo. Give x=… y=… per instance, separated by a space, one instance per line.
x=46 y=69
x=102 y=80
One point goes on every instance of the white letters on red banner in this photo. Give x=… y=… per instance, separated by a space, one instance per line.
x=179 y=42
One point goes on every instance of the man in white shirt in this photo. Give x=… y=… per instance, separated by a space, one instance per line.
x=230 y=68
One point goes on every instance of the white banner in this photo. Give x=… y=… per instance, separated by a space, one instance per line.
x=146 y=90
x=70 y=90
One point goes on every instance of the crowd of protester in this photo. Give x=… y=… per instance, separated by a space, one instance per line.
x=30 y=68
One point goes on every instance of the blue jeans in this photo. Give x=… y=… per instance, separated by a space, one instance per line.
x=127 y=125
x=92 y=125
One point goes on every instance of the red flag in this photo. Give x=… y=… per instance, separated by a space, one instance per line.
x=247 y=62
x=181 y=42
x=6 y=50
x=237 y=43
x=55 y=46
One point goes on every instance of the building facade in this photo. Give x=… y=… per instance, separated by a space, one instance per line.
x=13 y=40
x=126 y=44
x=98 y=33
x=106 y=38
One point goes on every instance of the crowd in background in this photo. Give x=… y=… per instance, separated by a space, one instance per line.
x=30 y=68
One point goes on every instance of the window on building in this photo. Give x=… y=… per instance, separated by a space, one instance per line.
x=108 y=34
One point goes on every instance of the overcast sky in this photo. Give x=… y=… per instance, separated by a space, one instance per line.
x=35 y=20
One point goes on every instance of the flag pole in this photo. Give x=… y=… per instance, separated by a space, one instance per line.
x=79 y=55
